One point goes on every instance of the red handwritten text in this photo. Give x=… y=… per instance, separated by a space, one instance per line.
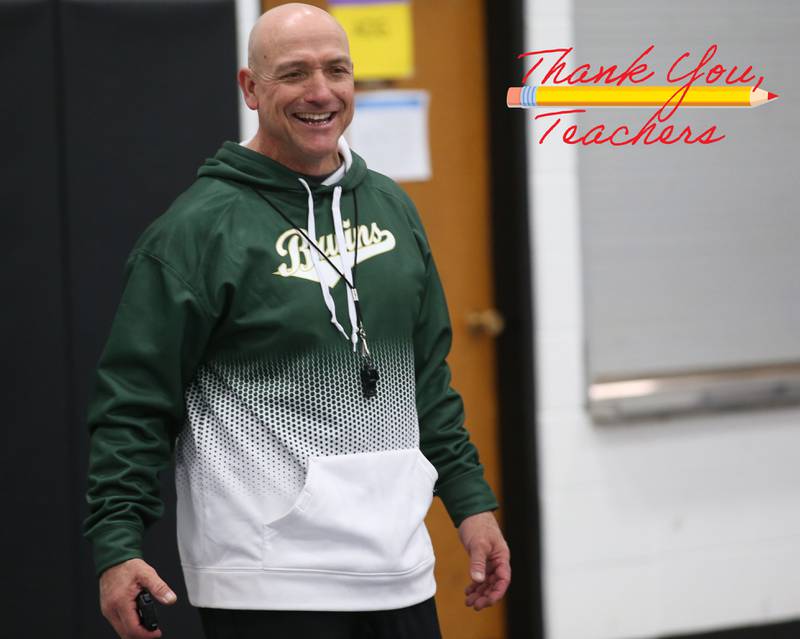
x=713 y=74
x=621 y=136
x=681 y=73
x=580 y=74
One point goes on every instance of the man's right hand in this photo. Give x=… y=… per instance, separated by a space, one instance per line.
x=119 y=586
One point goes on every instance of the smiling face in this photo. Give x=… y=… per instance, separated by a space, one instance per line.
x=301 y=82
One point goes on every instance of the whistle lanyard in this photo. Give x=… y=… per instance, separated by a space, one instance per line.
x=369 y=374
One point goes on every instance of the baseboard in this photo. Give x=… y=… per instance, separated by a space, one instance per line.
x=783 y=630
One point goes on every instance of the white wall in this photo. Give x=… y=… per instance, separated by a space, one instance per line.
x=653 y=528
x=247 y=12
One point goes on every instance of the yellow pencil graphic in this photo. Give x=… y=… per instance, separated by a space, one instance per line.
x=652 y=96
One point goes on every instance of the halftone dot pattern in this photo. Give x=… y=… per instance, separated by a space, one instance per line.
x=252 y=424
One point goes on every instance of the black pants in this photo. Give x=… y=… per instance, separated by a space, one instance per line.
x=415 y=622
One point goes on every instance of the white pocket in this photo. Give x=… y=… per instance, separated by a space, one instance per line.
x=362 y=513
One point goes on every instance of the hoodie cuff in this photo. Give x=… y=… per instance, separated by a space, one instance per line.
x=466 y=495
x=114 y=544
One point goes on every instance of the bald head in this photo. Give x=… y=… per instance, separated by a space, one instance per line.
x=286 y=26
x=300 y=80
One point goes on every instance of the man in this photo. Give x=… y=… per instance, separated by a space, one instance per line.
x=284 y=329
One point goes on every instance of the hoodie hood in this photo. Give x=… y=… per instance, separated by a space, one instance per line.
x=240 y=164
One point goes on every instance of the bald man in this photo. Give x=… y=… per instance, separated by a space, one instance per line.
x=282 y=337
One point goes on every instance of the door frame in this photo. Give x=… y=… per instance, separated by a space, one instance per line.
x=514 y=295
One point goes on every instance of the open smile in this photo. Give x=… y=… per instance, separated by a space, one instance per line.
x=315 y=119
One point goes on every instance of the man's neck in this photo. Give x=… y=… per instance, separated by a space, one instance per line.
x=312 y=168
x=317 y=179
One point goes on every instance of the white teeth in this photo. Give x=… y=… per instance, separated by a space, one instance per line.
x=316 y=117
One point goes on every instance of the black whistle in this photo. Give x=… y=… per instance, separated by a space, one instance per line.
x=369 y=380
x=146 y=608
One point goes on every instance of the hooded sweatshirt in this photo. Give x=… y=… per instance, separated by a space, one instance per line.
x=232 y=357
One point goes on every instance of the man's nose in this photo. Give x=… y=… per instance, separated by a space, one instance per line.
x=318 y=87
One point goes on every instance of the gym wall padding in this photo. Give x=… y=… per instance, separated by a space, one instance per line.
x=38 y=563
x=109 y=109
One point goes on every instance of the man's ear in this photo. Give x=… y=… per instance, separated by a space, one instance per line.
x=247 y=84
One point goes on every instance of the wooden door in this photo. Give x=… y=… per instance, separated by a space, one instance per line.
x=450 y=63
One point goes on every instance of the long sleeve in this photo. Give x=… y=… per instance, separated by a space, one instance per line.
x=156 y=340
x=443 y=438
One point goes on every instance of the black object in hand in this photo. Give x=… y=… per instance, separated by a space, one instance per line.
x=146 y=608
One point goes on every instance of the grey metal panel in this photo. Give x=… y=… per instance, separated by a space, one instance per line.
x=691 y=253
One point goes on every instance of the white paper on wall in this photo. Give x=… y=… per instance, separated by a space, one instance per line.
x=390 y=131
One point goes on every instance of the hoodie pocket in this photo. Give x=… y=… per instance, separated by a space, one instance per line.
x=361 y=513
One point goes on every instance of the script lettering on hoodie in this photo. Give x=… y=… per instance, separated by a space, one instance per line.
x=372 y=241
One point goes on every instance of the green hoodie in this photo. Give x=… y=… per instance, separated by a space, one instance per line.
x=294 y=490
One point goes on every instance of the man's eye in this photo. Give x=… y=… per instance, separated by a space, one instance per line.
x=292 y=75
x=340 y=70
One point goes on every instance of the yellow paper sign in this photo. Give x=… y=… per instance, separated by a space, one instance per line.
x=381 y=39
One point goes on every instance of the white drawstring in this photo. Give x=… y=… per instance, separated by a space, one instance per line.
x=312 y=232
x=346 y=264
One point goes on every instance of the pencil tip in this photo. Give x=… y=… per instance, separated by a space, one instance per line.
x=771 y=96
